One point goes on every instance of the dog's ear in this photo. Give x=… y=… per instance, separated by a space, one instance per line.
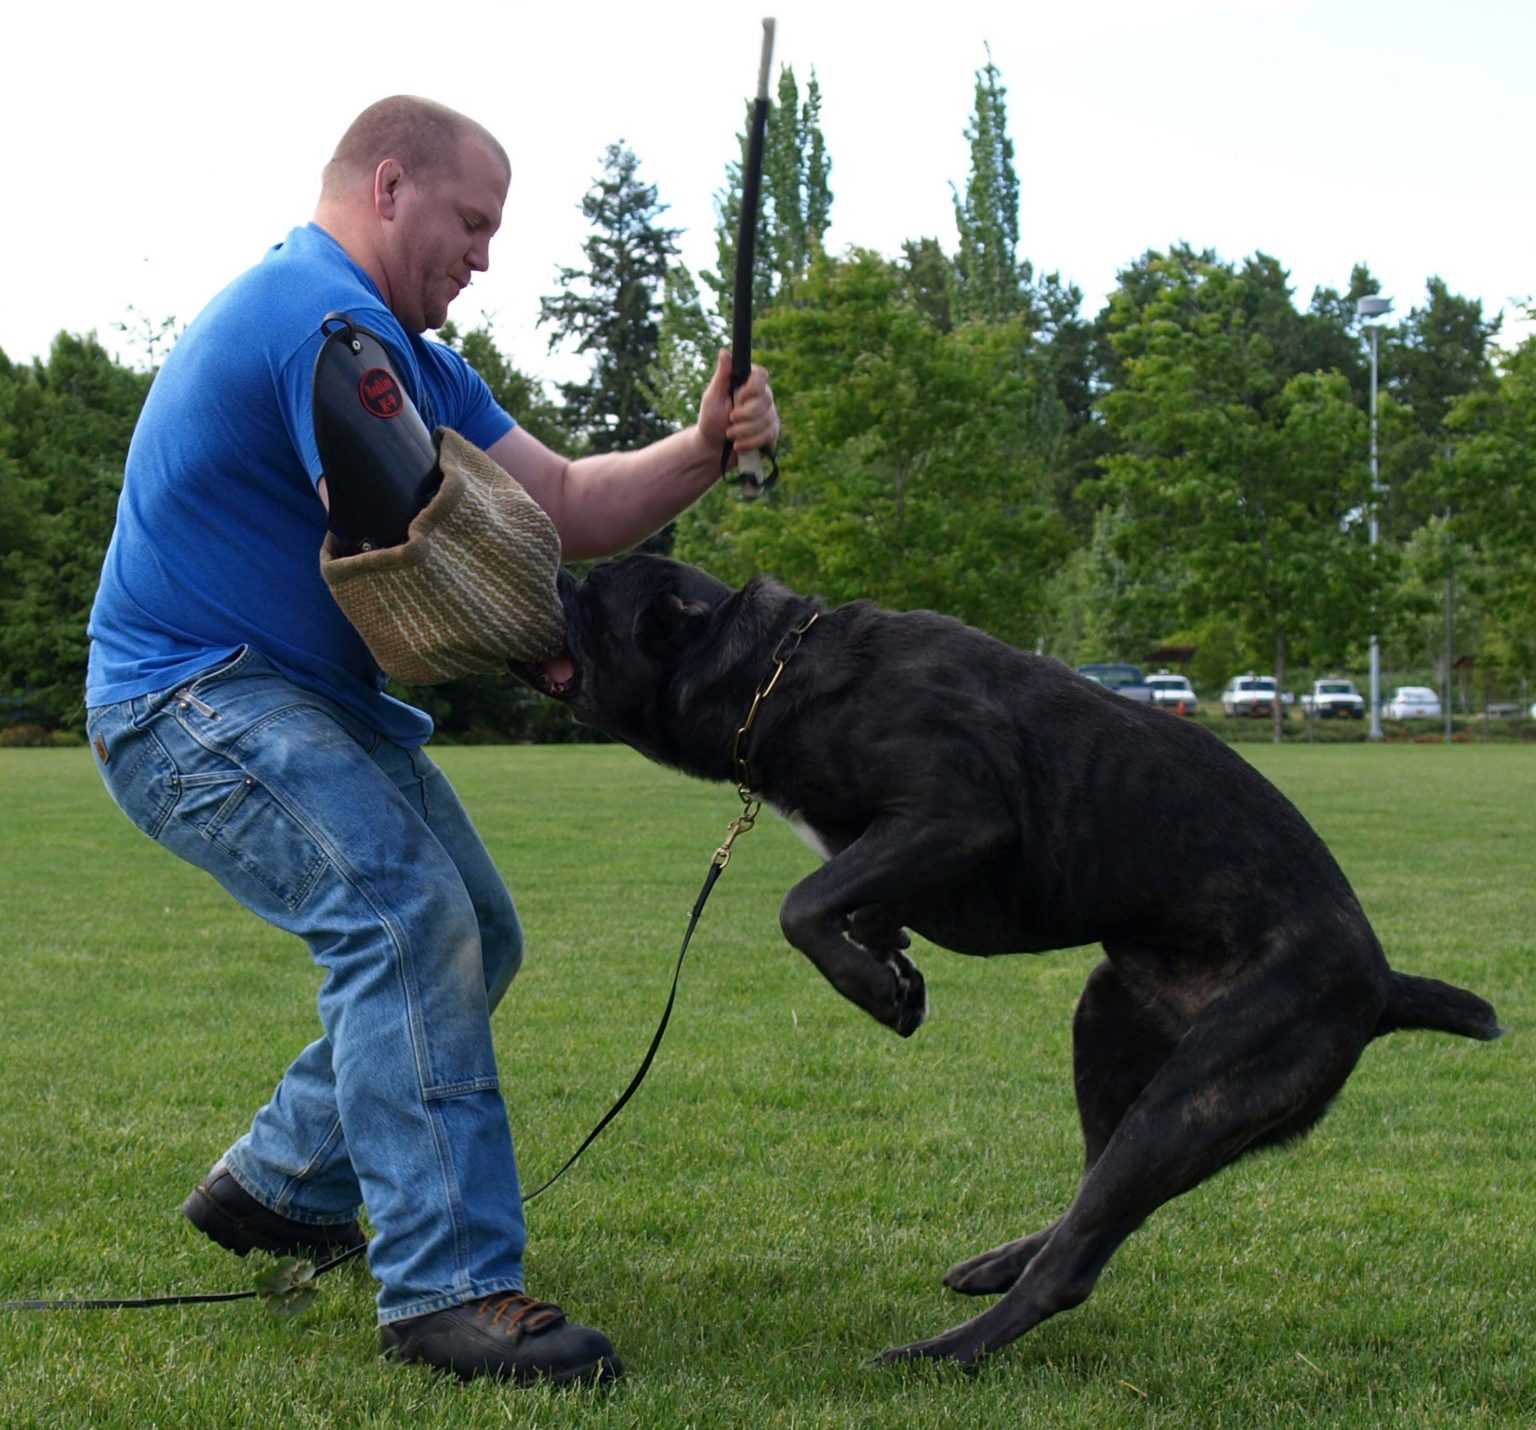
x=668 y=623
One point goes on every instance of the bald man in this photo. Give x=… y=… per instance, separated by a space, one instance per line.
x=239 y=720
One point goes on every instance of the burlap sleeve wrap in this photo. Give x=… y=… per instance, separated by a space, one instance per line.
x=473 y=586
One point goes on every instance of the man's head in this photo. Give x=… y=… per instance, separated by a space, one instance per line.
x=414 y=192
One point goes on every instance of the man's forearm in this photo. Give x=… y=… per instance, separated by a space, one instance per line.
x=610 y=501
x=623 y=497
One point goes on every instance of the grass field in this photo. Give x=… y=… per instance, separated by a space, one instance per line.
x=782 y=1197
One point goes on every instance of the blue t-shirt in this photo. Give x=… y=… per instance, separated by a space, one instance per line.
x=219 y=527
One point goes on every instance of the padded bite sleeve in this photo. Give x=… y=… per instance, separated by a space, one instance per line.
x=472 y=587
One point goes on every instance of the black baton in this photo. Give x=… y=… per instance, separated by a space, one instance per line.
x=749 y=465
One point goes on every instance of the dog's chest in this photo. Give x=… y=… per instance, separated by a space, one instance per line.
x=805 y=832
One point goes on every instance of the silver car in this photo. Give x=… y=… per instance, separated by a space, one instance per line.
x=1412 y=702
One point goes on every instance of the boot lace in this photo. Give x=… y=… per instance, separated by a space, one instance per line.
x=520 y=1315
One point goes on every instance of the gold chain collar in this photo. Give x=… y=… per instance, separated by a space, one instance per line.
x=751 y=805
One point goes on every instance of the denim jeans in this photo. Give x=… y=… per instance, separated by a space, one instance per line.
x=362 y=849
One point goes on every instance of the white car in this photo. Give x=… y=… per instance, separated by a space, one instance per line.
x=1173 y=692
x=1412 y=702
x=1334 y=698
x=1253 y=695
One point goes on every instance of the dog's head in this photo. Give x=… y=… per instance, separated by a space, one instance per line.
x=631 y=627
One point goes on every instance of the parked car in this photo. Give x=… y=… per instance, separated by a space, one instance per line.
x=1173 y=692
x=1249 y=695
x=1412 y=702
x=1123 y=679
x=1333 y=698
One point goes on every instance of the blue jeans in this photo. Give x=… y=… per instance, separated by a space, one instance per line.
x=362 y=849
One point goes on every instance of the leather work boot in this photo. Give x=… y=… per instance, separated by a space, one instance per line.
x=221 y=1208
x=507 y=1335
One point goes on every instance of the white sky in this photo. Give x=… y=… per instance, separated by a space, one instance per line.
x=155 y=150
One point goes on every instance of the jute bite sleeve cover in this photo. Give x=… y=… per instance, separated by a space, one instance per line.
x=473 y=586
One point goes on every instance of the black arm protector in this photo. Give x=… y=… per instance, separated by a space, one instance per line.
x=380 y=462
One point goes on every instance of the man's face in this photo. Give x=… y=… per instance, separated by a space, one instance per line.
x=441 y=235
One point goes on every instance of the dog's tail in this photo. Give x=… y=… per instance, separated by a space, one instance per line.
x=1414 y=1002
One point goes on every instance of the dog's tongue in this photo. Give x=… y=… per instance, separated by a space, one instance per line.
x=558 y=670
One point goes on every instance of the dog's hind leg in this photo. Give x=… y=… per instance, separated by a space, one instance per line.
x=1118 y=1045
x=1259 y=1065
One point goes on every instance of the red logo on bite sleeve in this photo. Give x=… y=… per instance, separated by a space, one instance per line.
x=380 y=393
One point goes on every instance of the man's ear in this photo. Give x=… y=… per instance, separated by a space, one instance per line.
x=668 y=623
x=386 y=185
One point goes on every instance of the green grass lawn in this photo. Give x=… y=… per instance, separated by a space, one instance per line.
x=782 y=1197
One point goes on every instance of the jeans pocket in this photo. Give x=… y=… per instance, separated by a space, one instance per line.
x=239 y=822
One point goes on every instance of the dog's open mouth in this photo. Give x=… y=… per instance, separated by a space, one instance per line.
x=555 y=677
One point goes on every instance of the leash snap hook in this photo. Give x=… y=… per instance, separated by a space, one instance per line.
x=742 y=824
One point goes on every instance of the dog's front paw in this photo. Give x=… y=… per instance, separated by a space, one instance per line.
x=911 y=1008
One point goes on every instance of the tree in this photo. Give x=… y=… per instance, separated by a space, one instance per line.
x=1439 y=353
x=1486 y=479
x=912 y=459
x=64 y=431
x=794 y=200
x=990 y=282
x=1073 y=348
x=17 y=518
x=612 y=308
x=1246 y=482
x=1337 y=340
x=928 y=281
x=685 y=358
x=796 y=171
x=520 y=394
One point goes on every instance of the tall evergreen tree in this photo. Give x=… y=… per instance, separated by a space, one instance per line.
x=794 y=201
x=611 y=309
x=991 y=282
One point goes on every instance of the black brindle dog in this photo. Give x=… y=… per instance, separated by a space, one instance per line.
x=997 y=802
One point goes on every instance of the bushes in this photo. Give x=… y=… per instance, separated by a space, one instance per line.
x=30 y=736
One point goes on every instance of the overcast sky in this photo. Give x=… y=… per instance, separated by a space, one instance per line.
x=155 y=150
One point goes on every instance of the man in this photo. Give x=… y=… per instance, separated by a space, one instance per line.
x=240 y=721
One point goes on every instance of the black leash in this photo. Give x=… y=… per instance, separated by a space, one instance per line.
x=280 y=1284
x=287 y=1280
x=716 y=867
x=289 y=1285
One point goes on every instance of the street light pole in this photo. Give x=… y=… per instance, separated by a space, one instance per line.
x=1374 y=306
